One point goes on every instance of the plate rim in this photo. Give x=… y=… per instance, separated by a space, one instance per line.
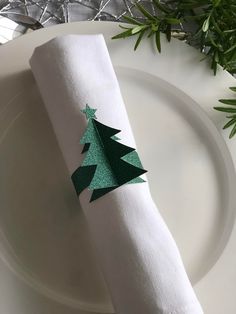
x=104 y=26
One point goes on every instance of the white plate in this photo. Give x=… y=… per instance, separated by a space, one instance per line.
x=44 y=240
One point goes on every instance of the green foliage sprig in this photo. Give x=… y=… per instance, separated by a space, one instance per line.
x=231 y=110
x=212 y=30
x=213 y=23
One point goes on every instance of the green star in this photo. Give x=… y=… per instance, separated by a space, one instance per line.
x=89 y=112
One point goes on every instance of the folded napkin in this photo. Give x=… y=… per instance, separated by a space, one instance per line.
x=137 y=254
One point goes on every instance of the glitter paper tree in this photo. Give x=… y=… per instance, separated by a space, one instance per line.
x=108 y=164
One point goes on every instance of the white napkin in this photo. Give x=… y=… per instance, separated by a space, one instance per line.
x=137 y=254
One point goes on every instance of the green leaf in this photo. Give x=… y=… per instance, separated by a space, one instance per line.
x=228 y=124
x=231 y=102
x=172 y=21
x=217 y=28
x=160 y=6
x=232 y=64
x=230 y=49
x=216 y=56
x=214 y=65
x=155 y=27
x=168 y=32
x=124 y=27
x=232 y=133
x=231 y=116
x=230 y=31
x=151 y=33
x=216 y=3
x=158 y=41
x=212 y=40
x=136 y=29
x=145 y=12
x=233 y=89
x=190 y=5
x=206 y=23
x=139 y=39
x=131 y=20
x=125 y=34
x=224 y=109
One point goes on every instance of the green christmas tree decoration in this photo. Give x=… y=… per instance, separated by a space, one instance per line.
x=108 y=164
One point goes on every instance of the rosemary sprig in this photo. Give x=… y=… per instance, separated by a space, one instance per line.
x=213 y=32
x=213 y=21
x=230 y=108
x=152 y=25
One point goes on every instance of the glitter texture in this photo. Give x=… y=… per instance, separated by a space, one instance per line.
x=108 y=164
